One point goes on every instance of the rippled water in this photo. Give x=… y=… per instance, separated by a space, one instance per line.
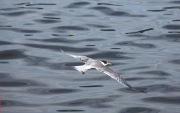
x=140 y=37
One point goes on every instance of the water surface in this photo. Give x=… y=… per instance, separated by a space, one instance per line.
x=141 y=39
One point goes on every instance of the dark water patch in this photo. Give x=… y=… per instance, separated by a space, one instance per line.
x=176 y=20
x=37 y=4
x=60 y=66
x=115 y=48
x=77 y=4
x=163 y=88
x=52 y=14
x=175 y=2
x=135 y=90
x=26 y=30
x=136 y=68
x=61 y=35
x=4 y=62
x=57 y=48
x=40 y=61
x=54 y=18
x=21 y=30
x=108 y=30
x=174 y=32
x=168 y=14
x=11 y=54
x=173 y=37
x=110 y=54
x=70 y=110
x=11 y=103
x=172 y=7
x=140 y=31
x=138 y=35
x=28 y=34
x=5 y=26
x=65 y=40
x=163 y=100
x=11 y=9
x=4 y=77
x=46 y=21
x=35 y=61
x=91 y=86
x=17 y=13
x=48 y=91
x=87 y=15
x=131 y=43
x=102 y=78
x=8 y=81
x=19 y=83
x=57 y=40
x=143 y=78
x=24 y=3
x=160 y=10
x=93 y=39
x=4 y=43
x=175 y=61
x=66 y=28
x=40 y=8
x=172 y=27
x=110 y=12
x=108 y=4
x=90 y=102
x=156 y=72
x=97 y=25
x=139 y=110
x=90 y=45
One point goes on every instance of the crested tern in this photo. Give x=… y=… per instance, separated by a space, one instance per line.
x=100 y=66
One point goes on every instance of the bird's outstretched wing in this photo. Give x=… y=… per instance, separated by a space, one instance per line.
x=114 y=75
x=82 y=58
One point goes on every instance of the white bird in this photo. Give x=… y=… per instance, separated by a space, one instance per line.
x=100 y=66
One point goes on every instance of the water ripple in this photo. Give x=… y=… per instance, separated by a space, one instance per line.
x=139 y=110
x=110 y=54
x=164 y=100
x=48 y=91
x=91 y=102
x=57 y=48
x=9 y=103
x=156 y=72
x=17 y=13
x=46 y=21
x=163 y=88
x=11 y=54
x=21 y=30
x=76 y=28
x=141 y=45
x=172 y=27
x=77 y=4
x=111 y=12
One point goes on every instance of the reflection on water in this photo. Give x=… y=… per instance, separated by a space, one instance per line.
x=141 y=39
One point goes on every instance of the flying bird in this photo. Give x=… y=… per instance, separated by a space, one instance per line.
x=101 y=66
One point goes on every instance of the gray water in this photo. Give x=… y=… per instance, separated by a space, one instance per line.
x=141 y=38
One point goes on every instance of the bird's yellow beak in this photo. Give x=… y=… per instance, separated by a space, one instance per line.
x=109 y=63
